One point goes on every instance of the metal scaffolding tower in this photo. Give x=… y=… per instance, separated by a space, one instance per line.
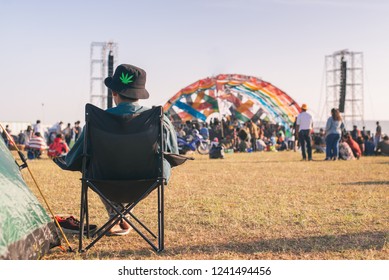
x=99 y=52
x=344 y=86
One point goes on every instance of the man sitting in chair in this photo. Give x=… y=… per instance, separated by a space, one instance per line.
x=128 y=86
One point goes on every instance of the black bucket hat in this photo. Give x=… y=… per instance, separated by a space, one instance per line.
x=129 y=81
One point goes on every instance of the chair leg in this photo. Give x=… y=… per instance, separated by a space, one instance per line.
x=127 y=211
x=112 y=222
x=82 y=215
x=121 y=213
x=87 y=214
x=161 y=226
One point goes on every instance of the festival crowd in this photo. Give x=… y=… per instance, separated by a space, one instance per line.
x=37 y=139
x=229 y=135
x=261 y=135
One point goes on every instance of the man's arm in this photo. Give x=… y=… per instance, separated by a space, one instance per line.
x=73 y=160
x=171 y=145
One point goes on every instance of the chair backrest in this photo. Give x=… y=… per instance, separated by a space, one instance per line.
x=123 y=147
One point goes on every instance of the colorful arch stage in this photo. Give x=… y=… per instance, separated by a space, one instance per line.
x=241 y=96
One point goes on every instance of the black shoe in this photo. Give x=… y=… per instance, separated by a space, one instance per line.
x=72 y=225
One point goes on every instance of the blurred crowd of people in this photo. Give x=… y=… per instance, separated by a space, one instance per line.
x=335 y=141
x=357 y=143
x=249 y=136
x=37 y=139
x=260 y=135
x=228 y=134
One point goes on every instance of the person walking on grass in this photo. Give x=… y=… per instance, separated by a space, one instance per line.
x=304 y=126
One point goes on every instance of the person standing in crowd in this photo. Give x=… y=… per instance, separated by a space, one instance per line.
x=355 y=133
x=378 y=132
x=76 y=130
x=296 y=143
x=363 y=132
x=4 y=134
x=304 y=126
x=67 y=133
x=334 y=129
x=254 y=133
x=28 y=133
x=54 y=130
x=204 y=131
x=38 y=127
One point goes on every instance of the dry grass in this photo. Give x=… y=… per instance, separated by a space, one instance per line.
x=247 y=206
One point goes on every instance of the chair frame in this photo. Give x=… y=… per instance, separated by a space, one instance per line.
x=124 y=213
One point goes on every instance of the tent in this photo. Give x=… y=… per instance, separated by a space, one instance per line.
x=244 y=97
x=26 y=230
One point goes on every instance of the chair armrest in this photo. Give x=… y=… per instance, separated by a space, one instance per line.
x=175 y=159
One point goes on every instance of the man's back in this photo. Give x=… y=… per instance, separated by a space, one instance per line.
x=37 y=128
x=73 y=158
x=304 y=121
x=125 y=108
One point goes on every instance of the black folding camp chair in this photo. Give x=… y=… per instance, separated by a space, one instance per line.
x=123 y=163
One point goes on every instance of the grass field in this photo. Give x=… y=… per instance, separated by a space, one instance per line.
x=247 y=206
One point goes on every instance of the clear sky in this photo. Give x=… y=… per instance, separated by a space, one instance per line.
x=45 y=48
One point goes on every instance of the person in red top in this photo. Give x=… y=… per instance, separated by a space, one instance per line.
x=353 y=145
x=58 y=147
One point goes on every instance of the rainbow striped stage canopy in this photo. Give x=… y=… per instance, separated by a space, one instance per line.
x=244 y=97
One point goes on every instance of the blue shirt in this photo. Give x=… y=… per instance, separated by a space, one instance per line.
x=334 y=127
x=369 y=148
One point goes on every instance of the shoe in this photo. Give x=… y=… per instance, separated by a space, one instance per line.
x=309 y=159
x=117 y=230
x=327 y=158
x=304 y=159
x=72 y=225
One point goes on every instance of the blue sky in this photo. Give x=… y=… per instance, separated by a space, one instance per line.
x=45 y=48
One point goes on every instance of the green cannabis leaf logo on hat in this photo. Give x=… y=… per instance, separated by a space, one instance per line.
x=125 y=79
